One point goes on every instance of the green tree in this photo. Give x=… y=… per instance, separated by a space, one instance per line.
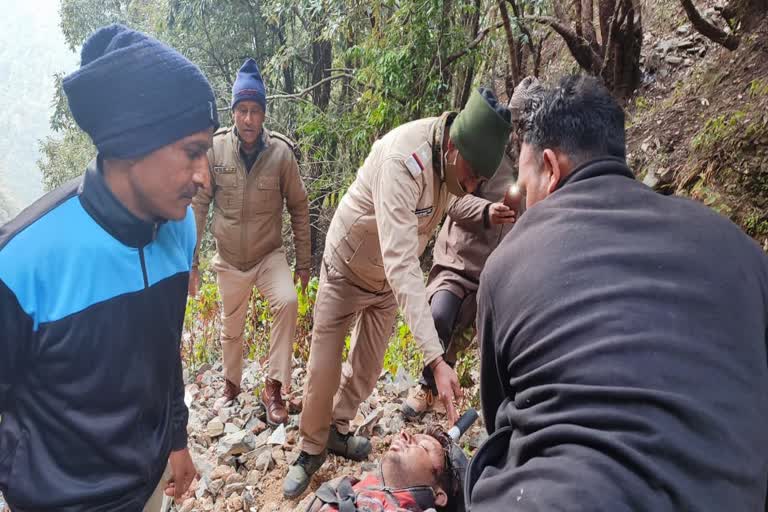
x=339 y=73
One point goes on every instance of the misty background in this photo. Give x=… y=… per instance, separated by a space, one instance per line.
x=32 y=49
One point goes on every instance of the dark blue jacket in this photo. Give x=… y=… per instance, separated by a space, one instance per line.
x=92 y=304
x=624 y=366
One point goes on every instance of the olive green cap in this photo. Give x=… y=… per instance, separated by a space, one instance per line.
x=481 y=131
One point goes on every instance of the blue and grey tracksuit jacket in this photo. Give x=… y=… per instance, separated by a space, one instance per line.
x=92 y=304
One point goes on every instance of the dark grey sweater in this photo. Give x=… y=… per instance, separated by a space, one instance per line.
x=624 y=366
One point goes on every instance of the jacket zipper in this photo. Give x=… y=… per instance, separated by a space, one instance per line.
x=242 y=208
x=147 y=476
x=243 y=216
x=155 y=227
x=143 y=267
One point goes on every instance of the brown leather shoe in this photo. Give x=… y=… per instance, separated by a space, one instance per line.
x=295 y=406
x=230 y=390
x=273 y=403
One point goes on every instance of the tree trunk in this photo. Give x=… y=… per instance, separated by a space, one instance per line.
x=749 y=13
x=513 y=49
x=321 y=65
x=621 y=70
x=707 y=29
x=466 y=89
x=446 y=76
x=579 y=26
x=519 y=12
x=322 y=59
x=587 y=23
x=288 y=82
x=346 y=86
x=605 y=11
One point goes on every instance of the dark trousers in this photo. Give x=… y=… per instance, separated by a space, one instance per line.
x=445 y=310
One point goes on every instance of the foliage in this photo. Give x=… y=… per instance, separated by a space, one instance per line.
x=756 y=225
x=64 y=159
x=641 y=104
x=202 y=327
x=304 y=324
x=716 y=130
x=729 y=159
x=339 y=74
x=402 y=351
x=389 y=64
x=757 y=88
x=202 y=322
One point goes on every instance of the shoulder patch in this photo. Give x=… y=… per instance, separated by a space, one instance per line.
x=291 y=144
x=419 y=159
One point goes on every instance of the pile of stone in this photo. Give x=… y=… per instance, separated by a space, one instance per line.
x=242 y=460
x=681 y=50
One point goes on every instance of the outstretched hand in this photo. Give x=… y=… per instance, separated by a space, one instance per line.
x=499 y=213
x=447 y=383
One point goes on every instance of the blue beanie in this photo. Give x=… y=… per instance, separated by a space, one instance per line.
x=249 y=85
x=133 y=94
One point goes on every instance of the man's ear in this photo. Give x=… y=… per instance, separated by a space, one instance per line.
x=441 y=499
x=552 y=166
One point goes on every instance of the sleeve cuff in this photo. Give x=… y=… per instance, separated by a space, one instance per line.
x=179 y=441
x=431 y=355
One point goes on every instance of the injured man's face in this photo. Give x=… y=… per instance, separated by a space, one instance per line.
x=417 y=459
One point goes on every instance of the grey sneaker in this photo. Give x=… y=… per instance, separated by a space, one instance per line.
x=347 y=445
x=300 y=473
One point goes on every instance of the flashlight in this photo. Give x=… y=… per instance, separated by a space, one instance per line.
x=461 y=426
x=513 y=198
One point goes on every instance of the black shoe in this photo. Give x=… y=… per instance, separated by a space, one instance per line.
x=348 y=446
x=300 y=473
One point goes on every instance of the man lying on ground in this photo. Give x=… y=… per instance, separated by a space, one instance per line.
x=419 y=472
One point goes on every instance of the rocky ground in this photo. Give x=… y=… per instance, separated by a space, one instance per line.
x=688 y=82
x=242 y=461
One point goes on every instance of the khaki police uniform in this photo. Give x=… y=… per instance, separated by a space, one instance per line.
x=247 y=228
x=370 y=268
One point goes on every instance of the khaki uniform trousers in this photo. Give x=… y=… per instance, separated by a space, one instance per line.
x=332 y=393
x=273 y=278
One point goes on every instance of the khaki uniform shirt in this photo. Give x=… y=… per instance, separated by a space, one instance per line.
x=386 y=218
x=467 y=238
x=248 y=206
